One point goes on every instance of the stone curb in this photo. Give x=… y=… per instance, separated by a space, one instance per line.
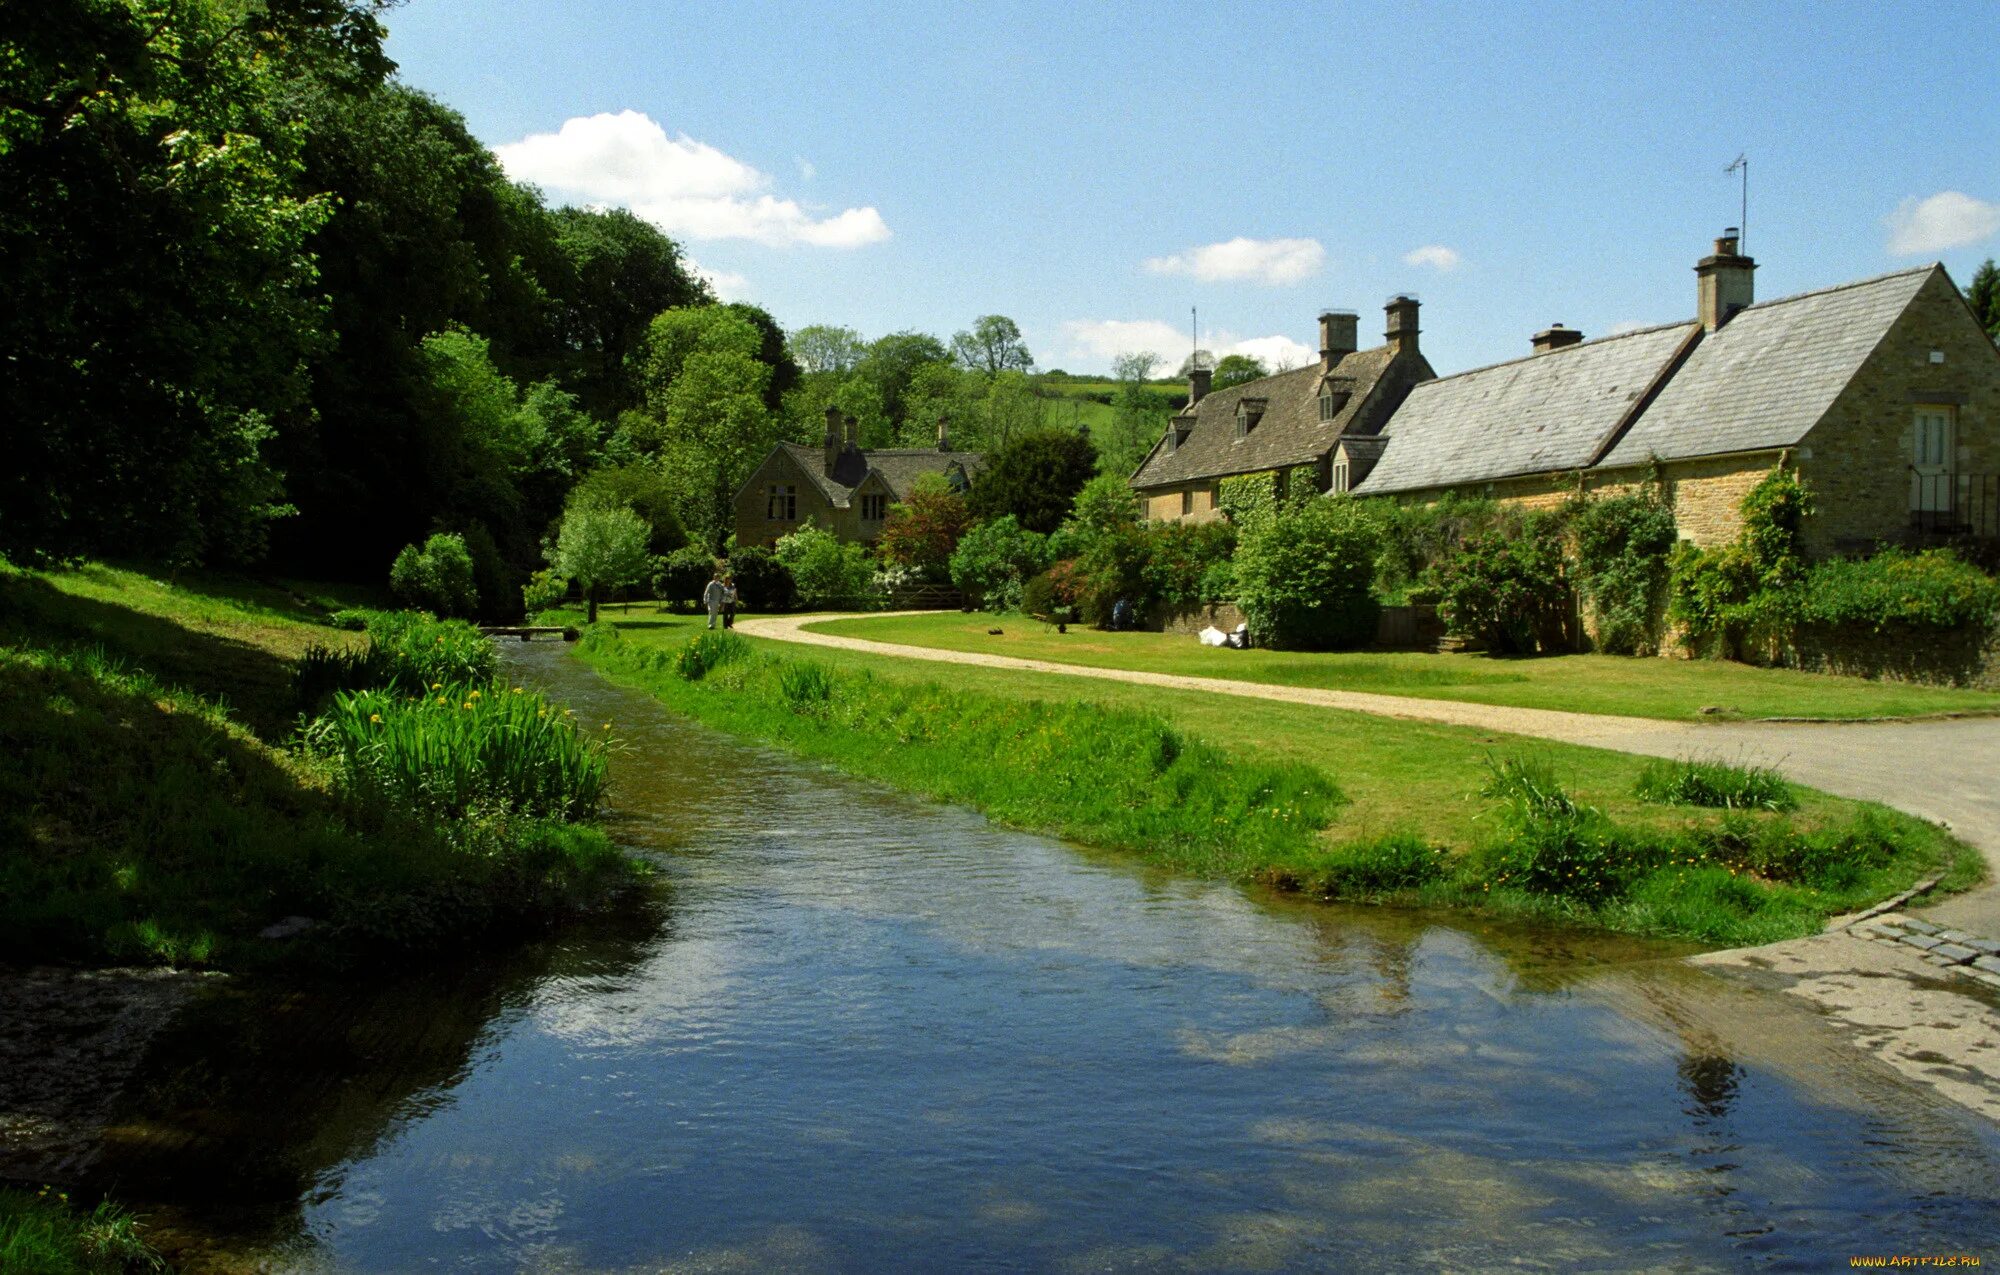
x=1969 y=955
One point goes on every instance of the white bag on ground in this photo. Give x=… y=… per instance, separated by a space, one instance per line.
x=1212 y=636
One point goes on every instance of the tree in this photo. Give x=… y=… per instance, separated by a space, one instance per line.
x=1034 y=478
x=705 y=388
x=601 y=549
x=1138 y=415
x=644 y=490
x=1235 y=369
x=1198 y=359
x=994 y=560
x=825 y=568
x=922 y=532
x=1105 y=503
x=891 y=363
x=1303 y=575
x=436 y=576
x=621 y=271
x=155 y=236
x=822 y=348
x=1984 y=296
x=993 y=346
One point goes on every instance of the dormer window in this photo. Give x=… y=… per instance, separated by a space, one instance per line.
x=1248 y=412
x=1327 y=411
x=1334 y=392
x=1339 y=475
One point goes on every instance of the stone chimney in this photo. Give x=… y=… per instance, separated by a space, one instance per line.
x=850 y=433
x=835 y=434
x=1723 y=285
x=1402 y=330
x=1199 y=379
x=1338 y=337
x=1556 y=337
x=944 y=435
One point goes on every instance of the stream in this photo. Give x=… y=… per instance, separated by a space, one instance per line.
x=854 y=1031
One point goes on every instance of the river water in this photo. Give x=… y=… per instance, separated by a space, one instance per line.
x=853 y=1031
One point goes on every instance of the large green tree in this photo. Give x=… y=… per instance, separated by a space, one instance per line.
x=1984 y=295
x=824 y=348
x=1035 y=478
x=155 y=242
x=993 y=346
x=705 y=389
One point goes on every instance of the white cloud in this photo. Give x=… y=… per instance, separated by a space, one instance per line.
x=1100 y=341
x=1948 y=219
x=806 y=170
x=1435 y=255
x=683 y=186
x=1268 y=261
x=727 y=284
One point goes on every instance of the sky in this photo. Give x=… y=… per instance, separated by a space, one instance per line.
x=1097 y=170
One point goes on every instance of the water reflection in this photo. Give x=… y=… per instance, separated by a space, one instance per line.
x=872 y=1033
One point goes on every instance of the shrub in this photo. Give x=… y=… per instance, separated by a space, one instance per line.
x=995 y=560
x=762 y=582
x=683 y=574
x=1033 y=479
x=461 y=748
x=826 y=568
x=1303 y=575
x=1712 y=782
x=1622 y=548
x=924 y=530
x=1417 y=538
x=708 y=651
x=1113 y=566
x=436 y=576
x=413 y=651
x=1178 y=559
x=1106 y=503
x=1509 y=591
x=1774 y=515
x=1929 y=589
x=1052 y=596
x=1709 y=594
x=545 y=589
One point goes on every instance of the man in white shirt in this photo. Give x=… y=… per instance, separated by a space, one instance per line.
x=714 y=596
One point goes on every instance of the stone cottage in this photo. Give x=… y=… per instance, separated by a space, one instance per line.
x=839 y=486
x=1884 y=394
x=1276 y=424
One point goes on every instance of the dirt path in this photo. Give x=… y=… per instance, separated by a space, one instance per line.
x=1931 y=1025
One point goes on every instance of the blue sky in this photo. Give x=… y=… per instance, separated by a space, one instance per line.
x=1094 y=170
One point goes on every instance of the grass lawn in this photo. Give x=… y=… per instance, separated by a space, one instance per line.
x=1395 y=778
x=1662 y=688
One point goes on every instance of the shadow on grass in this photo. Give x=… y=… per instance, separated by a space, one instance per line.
x=254 y=681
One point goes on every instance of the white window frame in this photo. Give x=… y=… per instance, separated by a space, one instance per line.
x=781 y=503
x=1339 y=476
x=1933 y=451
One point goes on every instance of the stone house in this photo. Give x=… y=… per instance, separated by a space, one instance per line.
x=1884 y=394
x=1277 y=424
x=839 y=486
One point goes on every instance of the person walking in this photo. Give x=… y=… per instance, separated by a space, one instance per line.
x=728 y=601
x=712 y=597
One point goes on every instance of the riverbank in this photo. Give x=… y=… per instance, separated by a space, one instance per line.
x=170 y=815
x=1422 y=814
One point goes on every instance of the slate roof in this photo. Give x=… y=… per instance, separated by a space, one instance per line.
x=1766 y=377
x=1547 y=412
x=899 y=467
x=1290 y=432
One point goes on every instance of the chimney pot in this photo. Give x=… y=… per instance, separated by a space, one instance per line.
x=1556 y=337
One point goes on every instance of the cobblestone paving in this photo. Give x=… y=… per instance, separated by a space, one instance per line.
x=1971 y=955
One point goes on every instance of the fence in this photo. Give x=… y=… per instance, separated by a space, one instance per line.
x=1965 y=505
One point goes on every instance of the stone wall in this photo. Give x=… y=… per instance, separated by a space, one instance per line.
x=1222 y=615
x=1858 y=458
x=1164 y=505
x=1960 y=657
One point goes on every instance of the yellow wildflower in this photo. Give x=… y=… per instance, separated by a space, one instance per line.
x=437 y=686
x=517 y=690
x=441 y=701
x=374 y=717
x=468 y=704
x=475 y=695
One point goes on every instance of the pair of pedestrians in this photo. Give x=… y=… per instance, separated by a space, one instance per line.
x=720 y=599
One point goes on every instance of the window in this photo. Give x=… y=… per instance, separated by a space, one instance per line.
x=873 y=508
x=1215 y=495
x=1281 y=484
x=1187 y=502
x=781 y=503
x=1327 y=411
x=1339 y=475
x=1932 y=485
x=1242 y=420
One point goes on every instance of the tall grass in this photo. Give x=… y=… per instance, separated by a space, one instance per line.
x=1712 y=782
x=42 y=1234
x=407 y=651
x=457 y=748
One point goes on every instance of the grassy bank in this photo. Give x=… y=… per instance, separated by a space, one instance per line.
x=1338 y=805
x=1660 y=688
x=165 y=810
x=42 y=1233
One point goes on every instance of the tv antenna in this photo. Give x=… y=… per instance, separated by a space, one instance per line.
x=1743 y=216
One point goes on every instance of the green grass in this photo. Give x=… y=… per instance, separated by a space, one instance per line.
x=150 y=824
x=1413 y=795
x=1712 y=782
x=1659 y=688
x=41 y=1233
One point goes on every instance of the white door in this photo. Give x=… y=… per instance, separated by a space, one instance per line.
x=1931 y=484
